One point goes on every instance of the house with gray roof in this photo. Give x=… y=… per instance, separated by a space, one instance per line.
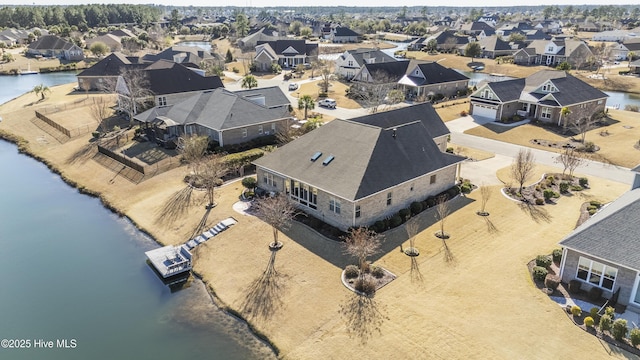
x=341 y=34
x=226 y=117
x=286 y=53
x=103 y=75
x=351 y=61
x=603 y=251
x=540 y=96
x=251 y=41
x=355 y=172
x=53 y=46
x=189 y=56
x=553 y=52
x=493 y=47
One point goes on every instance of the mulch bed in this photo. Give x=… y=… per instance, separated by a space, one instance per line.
x=536 y=191
x=379 y=282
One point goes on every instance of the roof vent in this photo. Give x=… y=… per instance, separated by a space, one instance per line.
x=316 y=156
x=328 y=160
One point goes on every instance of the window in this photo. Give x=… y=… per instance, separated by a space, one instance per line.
x=334 y=206
x=389 y=197
x=432 y=180
x=304 y=194
x=546 y=113
x=487 y=94
x=350 y=63
x=162 y=101
x=599 y=102
x=596 y=273
x=268 y=179
x=260 y=129
x=273 y=128
x=244 y=132
x=357 y=211
x=550 y=49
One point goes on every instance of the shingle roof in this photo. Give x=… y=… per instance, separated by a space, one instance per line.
x=300 y=46
x=112 y=65
x=613 y=234
x=394 y=70
x=183 y=54
x=274 y=97
x=367 y=158
x=378 y=56
x=47 y=42
x=434 y=74
x=493 y=43
x=167 y=77
x=344 y=31
x=218 y=109
x=422 y=112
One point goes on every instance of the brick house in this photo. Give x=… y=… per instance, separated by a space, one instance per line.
x=355 y=172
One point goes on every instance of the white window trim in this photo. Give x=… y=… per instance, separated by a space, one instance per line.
x=244 y=132
x=602 y=276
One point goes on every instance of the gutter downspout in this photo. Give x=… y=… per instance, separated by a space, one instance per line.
x=564 y=258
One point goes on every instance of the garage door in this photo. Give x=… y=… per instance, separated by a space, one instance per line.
x=484 y=111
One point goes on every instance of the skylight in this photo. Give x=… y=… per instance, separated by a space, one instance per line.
x=316 y=156
x=328 y=160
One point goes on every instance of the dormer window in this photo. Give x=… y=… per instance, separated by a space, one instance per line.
x=548 y=88
x=550 y=49
x=487 y=94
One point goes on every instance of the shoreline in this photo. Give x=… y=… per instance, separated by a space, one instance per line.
x=22 y=147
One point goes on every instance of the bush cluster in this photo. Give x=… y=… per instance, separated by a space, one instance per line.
x=365 y=286
x=589 y=322
x=351 y=271
x=576 y=310
x=377 y=272
x=543 y=261
x=539 y=273
x=583 y=181
x=634 y=336
x=248 y=145
x=605 y=322
x=556 y=255
x=551 y=281
x=564 y=187
x=539 y=201
x=619 y=329
x=549 y=193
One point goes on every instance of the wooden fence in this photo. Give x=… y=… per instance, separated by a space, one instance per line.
x=151 y=170
x=53 y=124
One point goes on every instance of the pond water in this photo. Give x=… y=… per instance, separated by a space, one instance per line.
x=75 y=274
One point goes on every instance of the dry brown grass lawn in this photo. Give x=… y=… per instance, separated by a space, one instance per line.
x=482 y=305
x=451 y=110
x=337 y=91
x=616 y=148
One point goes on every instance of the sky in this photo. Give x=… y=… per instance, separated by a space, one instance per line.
x=369 y=3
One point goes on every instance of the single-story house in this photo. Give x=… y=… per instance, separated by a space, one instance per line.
x=12 y=36
x=351 y=61
x=539 y=96
x=53 y=46
x=493 y=47
x=340 y=34
x=226 y=117
x=355 y=172
x=553 y=52
x=603 y=251
x=621 y=51
x=112 y=41
x=286 y=53
x=251 y=41
x=189 y=56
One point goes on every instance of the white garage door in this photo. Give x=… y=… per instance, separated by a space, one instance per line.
x=484 y=111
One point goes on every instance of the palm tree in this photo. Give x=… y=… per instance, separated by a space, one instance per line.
x=249 y=82
x=306 y=103
x=41 y=90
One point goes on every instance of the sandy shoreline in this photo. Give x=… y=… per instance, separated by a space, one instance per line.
x=484 y=305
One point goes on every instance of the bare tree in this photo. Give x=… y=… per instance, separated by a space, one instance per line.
x=277 y=211
x=374 y=92
x=522 y=167
x=325 y=79
x=449 y=44
x=101 y=110
x=361 y=243
x=193 y=149
x=133 y=91
x=212 y=170
x=582 y=122
x=485 y=195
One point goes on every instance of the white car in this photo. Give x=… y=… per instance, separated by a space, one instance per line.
x=293 y=86
x=328 y=103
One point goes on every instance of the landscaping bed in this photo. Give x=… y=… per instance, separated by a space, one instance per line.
x=550 y=187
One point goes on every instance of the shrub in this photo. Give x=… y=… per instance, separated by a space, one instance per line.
x=576 y=188
x=466 y=187
x=609 y=310
x=595 y=203
x=576 y=310
x=574 y=286
x=416 y=207
x=605 y=322
x=556 y=255
x=452 y=192
x=630 y=107
x=583 y=181
x=463 y=113
x=543 y=261
x=550 y=180
x=405 y=214
x=377 y=272
x=235 y=70
x=379 y=226
x=619 y=329
x=564 y=187
x=589 y=322
x=549 y=193
x=551 y=281
x=539 y=201
x=539 y=273
x=249 y=182
x=589 y=146
x=95 y=134
x=634 y=336
x=351 y=271
x=595 y=293
x=431 y=201
x=365 y=286
x=395 y=221
x=449 y=150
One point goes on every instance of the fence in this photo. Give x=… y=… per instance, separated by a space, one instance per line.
x=53 y=124
x=151 y=170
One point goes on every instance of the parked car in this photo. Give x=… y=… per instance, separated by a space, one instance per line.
x=293 y=86
x=328 y=103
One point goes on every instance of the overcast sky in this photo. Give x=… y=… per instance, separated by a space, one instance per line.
x=261 y=3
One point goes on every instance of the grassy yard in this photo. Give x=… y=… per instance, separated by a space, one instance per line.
x=617 y=147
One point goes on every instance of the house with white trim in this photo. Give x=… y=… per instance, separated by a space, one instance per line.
x=603 y=251
x=286 y=53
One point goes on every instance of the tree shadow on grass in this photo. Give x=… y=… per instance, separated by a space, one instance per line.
x=491 y=228
x=536 y=212
x=363 y=316
x=202 y=225
x=83 y=154
x=414 y=272
x=448 y=254
x=176 y=206
x=265 y=294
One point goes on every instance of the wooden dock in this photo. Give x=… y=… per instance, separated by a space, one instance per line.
x=170 y=260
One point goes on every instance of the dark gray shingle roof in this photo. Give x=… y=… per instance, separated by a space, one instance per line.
x=613 y=234
x=167 y=77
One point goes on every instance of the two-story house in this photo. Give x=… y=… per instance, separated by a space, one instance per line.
x=286 y=53
x=553 y=52
x=351 y=61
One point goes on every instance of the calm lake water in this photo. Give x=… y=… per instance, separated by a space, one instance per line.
x=74 y=271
